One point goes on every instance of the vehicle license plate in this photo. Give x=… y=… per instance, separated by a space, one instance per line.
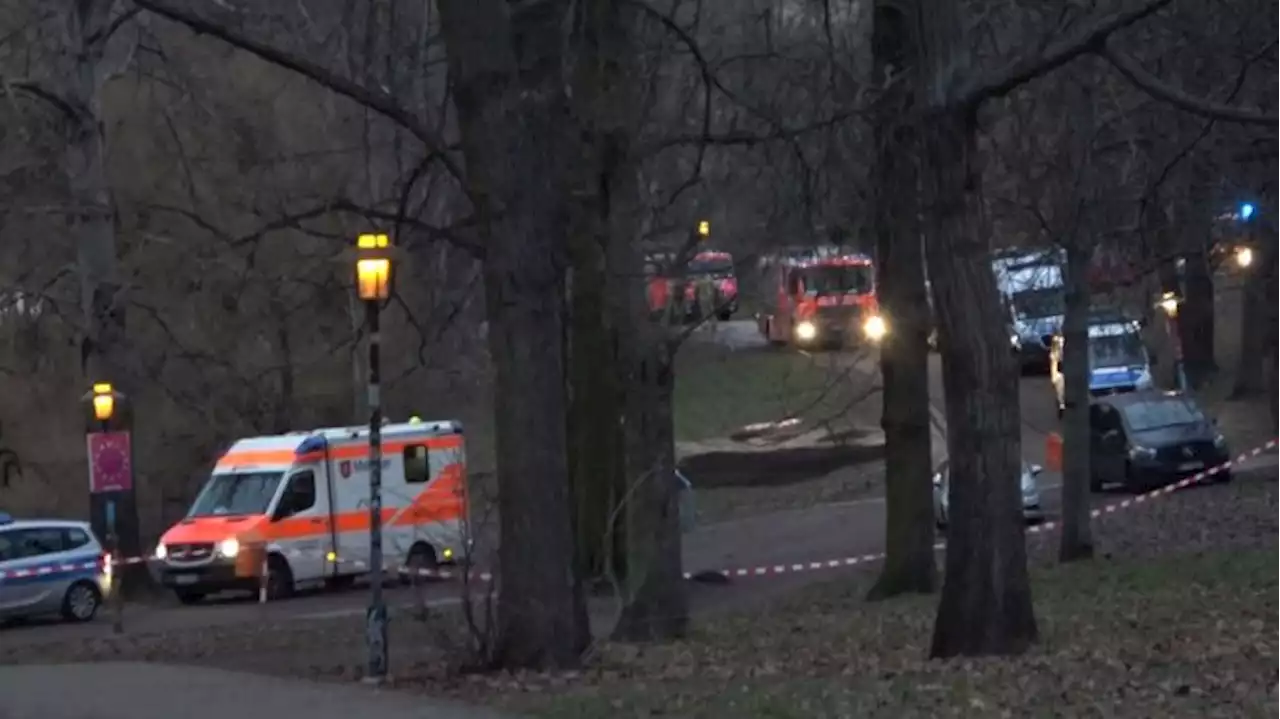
x=1188 y=466
x=184 y=579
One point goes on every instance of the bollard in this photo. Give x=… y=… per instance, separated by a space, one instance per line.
x=1053 y=452
x=117 y=594
x=262 y=580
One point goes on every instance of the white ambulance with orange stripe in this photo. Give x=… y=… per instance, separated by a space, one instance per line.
x=305 y=497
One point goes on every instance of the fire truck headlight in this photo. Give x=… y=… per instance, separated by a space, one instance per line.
x=875 y=328
x=806 y=331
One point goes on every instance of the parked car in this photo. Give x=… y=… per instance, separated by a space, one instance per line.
x=51 y=567
x=1149 y=438
x=1031 y=510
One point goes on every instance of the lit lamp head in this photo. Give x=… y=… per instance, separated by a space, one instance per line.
x=1244 y=256
x=1169 y=303
x=704 y=229
x=104 y=401
x=373 y=267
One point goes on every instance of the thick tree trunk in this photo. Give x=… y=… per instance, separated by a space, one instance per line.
x=656 y=604
x=1196 y=314
x=595 y=438
x=600 y=97
x=103 y=350
x=511 y=112
x=986 y=595
x=904 y=353
x=1076 y=541
x=1251 y=371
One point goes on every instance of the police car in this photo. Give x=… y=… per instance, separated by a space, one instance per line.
x=51 y=567
x=1118 y=360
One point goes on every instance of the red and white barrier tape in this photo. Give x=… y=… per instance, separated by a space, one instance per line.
x=794 y=567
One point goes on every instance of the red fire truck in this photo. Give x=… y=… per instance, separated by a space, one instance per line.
x=827 y=301
x=711 y=267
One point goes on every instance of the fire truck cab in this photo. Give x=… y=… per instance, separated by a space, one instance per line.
x=827 y=301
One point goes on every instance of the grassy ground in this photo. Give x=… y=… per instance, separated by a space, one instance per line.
x=719 y=390
x=1185 y=636
x=1175 y=617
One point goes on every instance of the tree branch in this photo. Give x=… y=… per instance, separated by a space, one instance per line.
x=40 y=92
x=1163 y=91
x=1029 y=67
x=380 y=102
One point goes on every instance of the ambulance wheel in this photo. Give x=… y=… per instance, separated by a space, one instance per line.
x=187 y=596
x=279 y=578
x=422 y=558
x=81 y=602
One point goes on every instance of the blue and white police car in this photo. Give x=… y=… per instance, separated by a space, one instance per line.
x=51 y=567
x=1118 y=360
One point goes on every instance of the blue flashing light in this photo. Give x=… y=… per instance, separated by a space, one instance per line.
x=314 y=443
x=5 y=518
x=1246 y=210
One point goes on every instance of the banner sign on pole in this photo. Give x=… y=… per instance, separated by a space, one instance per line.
x=110 y=462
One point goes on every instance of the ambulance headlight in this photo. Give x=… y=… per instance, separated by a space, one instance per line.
x=161 y=553
x=229 y=547
x=806 y=331
x=875 y=328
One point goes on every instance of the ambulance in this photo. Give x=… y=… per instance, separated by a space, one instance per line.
x=303 y=498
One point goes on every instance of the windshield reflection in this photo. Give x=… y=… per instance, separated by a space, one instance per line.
x=239 y=493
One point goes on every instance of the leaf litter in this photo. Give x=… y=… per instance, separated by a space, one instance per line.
x=1176 y=616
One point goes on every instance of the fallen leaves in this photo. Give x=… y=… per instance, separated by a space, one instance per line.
x=1176 y=617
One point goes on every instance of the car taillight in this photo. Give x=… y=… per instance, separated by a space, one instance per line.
x=104 y=565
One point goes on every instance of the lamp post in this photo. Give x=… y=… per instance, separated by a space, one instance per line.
x=373 y=284
x=1169 y=303
x=103 y=398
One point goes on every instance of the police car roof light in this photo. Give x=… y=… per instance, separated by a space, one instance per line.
x=5 y=518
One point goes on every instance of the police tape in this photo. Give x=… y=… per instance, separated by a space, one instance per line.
x=404 y=570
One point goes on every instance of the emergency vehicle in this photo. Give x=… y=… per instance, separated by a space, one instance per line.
x=823 y=301
x=708 y=266
x=304 y=497
x=1118 y=360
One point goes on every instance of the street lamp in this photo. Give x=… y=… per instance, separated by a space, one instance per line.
x=103 y=398
x=1244 y=257
x=104 y=404
x=373 y=286
x=704 y=228
x=1169 y=303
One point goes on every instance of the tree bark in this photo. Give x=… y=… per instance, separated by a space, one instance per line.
x=595 y=397
x=511 y=107
x=1251 y=371
x=1196 y=314
x=103 y=350
x=1076 y=541
x=1080 y=190
x=904 y=352
x=601 y=49
x=655 y=603
x=986 y=595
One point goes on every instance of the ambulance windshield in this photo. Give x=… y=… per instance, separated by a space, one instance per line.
x=239 y=493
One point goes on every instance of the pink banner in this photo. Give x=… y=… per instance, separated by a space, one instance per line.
x=110 y=462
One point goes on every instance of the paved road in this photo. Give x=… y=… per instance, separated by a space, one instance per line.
x=814 y=534
x=110 y=691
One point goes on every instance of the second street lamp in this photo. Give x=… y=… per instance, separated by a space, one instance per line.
x=373 y=285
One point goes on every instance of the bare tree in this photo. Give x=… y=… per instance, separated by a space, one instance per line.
x=909 y=562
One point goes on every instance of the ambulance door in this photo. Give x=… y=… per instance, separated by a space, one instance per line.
x=302 y=526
